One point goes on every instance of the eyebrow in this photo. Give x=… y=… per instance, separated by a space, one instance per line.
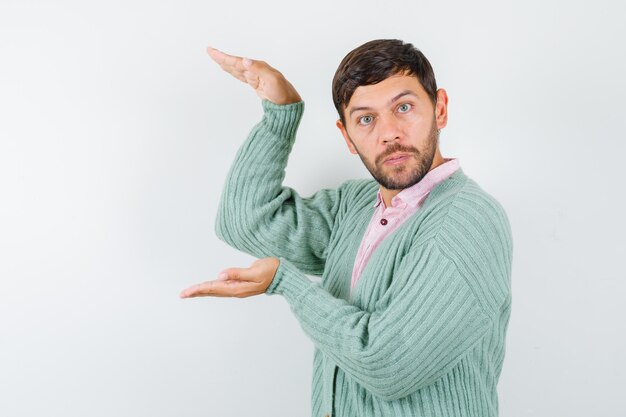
x=393 y=100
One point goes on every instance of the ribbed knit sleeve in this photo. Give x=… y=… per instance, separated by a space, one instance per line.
x=476 y=236
x=260 y=216
x=428 y=319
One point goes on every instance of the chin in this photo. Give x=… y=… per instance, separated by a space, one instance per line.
x=400 y=183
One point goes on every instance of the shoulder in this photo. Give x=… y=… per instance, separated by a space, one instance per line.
x=467 y=223
x=471 y=228
x=459 y=206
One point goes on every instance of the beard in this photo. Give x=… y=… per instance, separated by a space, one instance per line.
x=410 y=172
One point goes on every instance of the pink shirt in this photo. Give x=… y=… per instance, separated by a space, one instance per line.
x=387 y=219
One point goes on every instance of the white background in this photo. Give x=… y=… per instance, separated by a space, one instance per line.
x=116 y=134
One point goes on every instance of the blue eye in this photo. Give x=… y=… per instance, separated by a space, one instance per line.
x=404 y=108
x=365 y=120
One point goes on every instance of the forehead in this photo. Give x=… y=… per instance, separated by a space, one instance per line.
x=384 y=91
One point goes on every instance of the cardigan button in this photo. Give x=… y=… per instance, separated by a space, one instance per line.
x=383 y=221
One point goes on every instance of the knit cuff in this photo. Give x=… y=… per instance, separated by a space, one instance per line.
x=288 y=281
x=282 y=119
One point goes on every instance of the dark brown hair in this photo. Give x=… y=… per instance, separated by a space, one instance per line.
x=375 y=61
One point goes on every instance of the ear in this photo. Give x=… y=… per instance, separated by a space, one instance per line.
x=344 y=133
x=441 y=109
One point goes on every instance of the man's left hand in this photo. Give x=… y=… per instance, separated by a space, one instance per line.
x=237 y=282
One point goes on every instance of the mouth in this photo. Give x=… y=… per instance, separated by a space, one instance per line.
x=396 y=158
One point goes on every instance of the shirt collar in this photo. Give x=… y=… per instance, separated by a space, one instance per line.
x=416 y=193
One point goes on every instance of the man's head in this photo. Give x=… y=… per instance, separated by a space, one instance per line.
x=389 y=107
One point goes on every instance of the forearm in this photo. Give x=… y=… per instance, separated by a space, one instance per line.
x=260 y=216
x=256 y=175
x=427 y=325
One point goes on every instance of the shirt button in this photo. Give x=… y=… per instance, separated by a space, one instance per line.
x=383 y=221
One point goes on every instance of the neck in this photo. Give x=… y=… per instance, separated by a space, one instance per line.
x=388 y=195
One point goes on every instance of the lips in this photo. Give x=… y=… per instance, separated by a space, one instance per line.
x=396 y=158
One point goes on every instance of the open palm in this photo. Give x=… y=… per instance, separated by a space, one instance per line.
x=267 y=82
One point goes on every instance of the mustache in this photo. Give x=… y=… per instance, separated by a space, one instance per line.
x=396 y=148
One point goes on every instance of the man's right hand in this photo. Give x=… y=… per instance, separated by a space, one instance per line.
x=268 y=82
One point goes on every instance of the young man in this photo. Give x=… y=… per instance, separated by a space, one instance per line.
x=411 y=314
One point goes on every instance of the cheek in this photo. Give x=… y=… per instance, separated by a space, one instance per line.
x=363 y=140
x=368 y=150
x=416 y=123
x=418 y=130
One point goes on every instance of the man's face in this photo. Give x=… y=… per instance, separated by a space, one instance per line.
x=394 y=128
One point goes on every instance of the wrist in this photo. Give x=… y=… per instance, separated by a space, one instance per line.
x=288 y=99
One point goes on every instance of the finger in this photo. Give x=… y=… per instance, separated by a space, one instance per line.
x=239 y=274
x=237 y=64
x=226 y=61
x=234 y=68
x=252 y=79
x=217 y=55
x=190 y=291
x=217 y=288
x=202 y=289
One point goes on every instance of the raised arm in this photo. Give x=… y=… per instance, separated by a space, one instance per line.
x=257 y=214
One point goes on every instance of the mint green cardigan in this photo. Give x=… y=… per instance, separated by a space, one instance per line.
x=423 y=332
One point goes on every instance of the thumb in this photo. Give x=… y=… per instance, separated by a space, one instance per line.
x=241 y=274
x=253 y=79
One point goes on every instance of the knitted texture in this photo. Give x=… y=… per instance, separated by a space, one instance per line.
x=423 y=331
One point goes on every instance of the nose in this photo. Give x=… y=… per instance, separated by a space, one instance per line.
x=388 y=128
